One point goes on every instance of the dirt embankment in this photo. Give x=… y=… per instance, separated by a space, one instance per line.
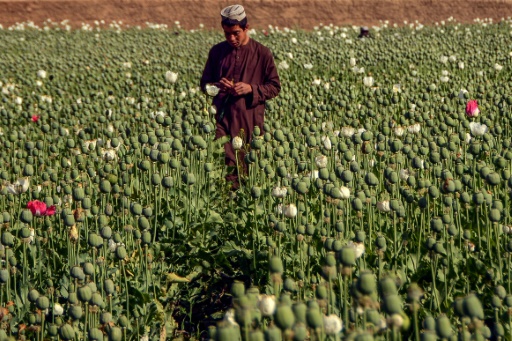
x=283 y=13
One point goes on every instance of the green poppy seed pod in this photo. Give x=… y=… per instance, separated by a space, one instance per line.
x=26 y=216
x=97 y=299
x=302 y=187
x=360 y=236
x=371 y=179
x=500 y=291
x=84 y=293
x=388 y=286
x=188 y=178
x=75 y=312
x=106 y=232
x=53 y=331
x=136 y=208
x=143 y=138
x=256 y=192
x=473 y=307
x=67 y=332
x=33 y=295
x=95 y=334
x=478 y=198
x=365 y=336
x=238 y=289
x=493 y=179
x=357 y=204
x=227 y=332
x=72 y=298
x=4 y=276
x=429 y=244
x=143 y=223
x=78 y=194
x=156 y=179
x=300 y=310
x=347 y=176
x=28 y=170
x=290 y=285
x=144 y=165
x=392 y=304
x=284 y=317
x=439 y=248
x=115 y=334
x=323 y=174
x=123 y=321
x=366 y=283
x=314 y=318
x=102 y=220
x=381 y=243
x=105 y=186
x=276 y=265
x=109 y=287
x=300 y=332
x=42 y=302
x=330 y=259
x=347 y=256
x=25 y=232
x=494 y=215
x=69 y=220
x=428 y=336
x=146 y=238
x=121 y=252
x=496 y=302
x=88 y=268
x=444 y=327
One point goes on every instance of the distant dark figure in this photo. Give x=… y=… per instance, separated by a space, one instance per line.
x=364 y=33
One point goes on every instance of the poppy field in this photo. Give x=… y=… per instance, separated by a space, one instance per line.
x=376 y=204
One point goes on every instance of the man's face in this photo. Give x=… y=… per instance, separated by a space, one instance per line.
x=235 y=35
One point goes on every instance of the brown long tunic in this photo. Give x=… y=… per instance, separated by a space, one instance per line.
x=252 y=64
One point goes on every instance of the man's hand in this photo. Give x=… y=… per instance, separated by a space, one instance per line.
x=225 y=85
x=240 y=89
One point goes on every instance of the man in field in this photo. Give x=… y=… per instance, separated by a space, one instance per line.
x=245 y=72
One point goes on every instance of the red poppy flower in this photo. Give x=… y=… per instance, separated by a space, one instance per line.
x=472 y=108
x=35 y=118
x=39 y=209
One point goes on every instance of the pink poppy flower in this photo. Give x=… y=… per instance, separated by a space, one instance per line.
x=39 y=209
x=35 y=118
x=472 y=108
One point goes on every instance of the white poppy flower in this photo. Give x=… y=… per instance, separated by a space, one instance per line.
x=212 y=90
x=237 y=143
x=41 y=74
x=352 y=62
x=308 y=66
x=368 y=81
x=321 y=161
x=345 y=192
x=399 y=131
x=267 y=305
x=283 y=65
x=347 y=131
x=404 y=174
x=384 y=206
x=279 y=192
x=478 y=129
x=327 y=143
x=171 y=77
x=290 y=211
x=498 y=67
x=20 y=186
x=332 y=324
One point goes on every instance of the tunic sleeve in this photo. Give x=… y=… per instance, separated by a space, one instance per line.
x=271 y=85
x=209 y=71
